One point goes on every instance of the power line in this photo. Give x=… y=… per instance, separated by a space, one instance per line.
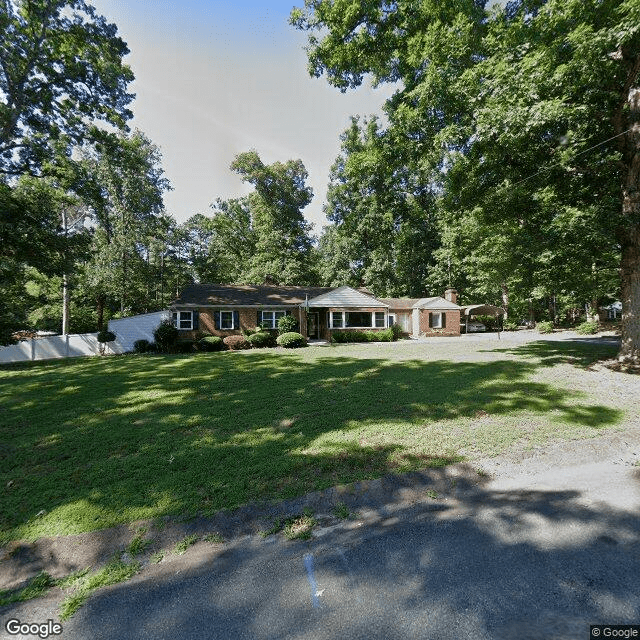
x=533 y=175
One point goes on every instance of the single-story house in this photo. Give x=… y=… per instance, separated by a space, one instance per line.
x=223 y=309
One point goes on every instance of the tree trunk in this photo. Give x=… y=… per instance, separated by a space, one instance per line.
x=100 y=301
x=630 y=347
x=629 y=231
x=505 y=300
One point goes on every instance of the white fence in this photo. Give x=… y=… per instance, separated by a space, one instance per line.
x=69 y=346
x=127 y=331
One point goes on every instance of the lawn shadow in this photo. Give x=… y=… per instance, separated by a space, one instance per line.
x=91 y=444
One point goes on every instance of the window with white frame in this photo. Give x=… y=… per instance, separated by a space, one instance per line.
x=226 y=320
x=270 y=319
x=336 y=320
x=357 y=319
x=183 y=320
x=392 y=319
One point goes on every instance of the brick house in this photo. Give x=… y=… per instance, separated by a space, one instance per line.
x=223 y=310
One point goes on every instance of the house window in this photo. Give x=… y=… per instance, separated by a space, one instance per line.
x=336 y=320
x=380 y=319
x=226 y=320
x=270 y=319
x=392 y=319
x=436 y=320
x=358 y=319
x=183 y=320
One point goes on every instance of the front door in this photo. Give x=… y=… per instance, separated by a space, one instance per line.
x=312 y=325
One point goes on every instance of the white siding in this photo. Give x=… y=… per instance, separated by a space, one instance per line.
x=141 y=327
x=416 y=322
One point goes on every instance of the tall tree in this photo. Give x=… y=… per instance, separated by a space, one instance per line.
x=283 y=249
x=511 y=101
x=61 y=71
x=382 y=234
x=125 y=187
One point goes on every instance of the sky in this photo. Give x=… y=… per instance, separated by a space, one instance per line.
x=217 y=78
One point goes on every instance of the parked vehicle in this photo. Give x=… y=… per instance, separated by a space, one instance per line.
x=475 y=327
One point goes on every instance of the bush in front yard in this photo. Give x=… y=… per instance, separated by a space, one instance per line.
x=261 y=340
x=166 y=336
x=141 y=346
x=588 y=328
x=210 y=343
x=545 y=327
x=236 y=343
x=396 y=330
x=106 y=336
x=291 y=340
x=287 y=324
x=363 y=336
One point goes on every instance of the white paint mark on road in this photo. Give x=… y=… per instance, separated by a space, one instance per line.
x=315 y=592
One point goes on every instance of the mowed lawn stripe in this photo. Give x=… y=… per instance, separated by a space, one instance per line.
x=91 y=443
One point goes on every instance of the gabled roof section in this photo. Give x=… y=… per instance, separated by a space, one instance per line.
x=437 y=303
x=345 y=297
x=208 y=295
x=400 y=303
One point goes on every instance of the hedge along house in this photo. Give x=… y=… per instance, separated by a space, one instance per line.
x=224 y=310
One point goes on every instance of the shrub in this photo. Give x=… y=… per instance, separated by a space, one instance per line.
x=588 y=328
x=186 y=346
x=166 y=336
x=261 y=339
x=211 y=343
x=287 y=324
x=363 y=336
x=396 y=329
x=236 y=343
x=291 y=340
x=510 y=325
x=141 y=346
x=545 y=327
x=106 y=336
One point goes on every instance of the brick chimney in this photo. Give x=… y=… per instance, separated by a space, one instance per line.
x=451 y=295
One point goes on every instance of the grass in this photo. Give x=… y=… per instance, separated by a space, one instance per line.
x=341 y=511
x=185 y=543
x=92 y=443
x=84 y=585
x=139 y=544
x=37 y=587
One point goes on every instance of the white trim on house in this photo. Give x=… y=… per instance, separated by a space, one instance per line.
x=232 y=327
x=345 y=297
x=343 y=320
x=274 y=319
x=180 y=323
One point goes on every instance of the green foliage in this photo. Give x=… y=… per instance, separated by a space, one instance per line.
x=166 y=336
x=491 y=322
x=185 y=543
x=106 y=336
x=50 y=102
x=283 y=244
x=588 y=328
x=350 y=335
x=261 y=339
x=114 y=572
x=291 y=340
x=141 y=346
x=396 y=330
x=211 y=343
x=544 y=327
x=510 y=325
x=236 y=343
x=37 y=587
x=287 y=324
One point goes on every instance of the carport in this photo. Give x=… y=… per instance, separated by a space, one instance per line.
x=480 y=310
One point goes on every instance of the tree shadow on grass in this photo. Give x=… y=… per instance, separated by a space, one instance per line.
x=95 y=443
x=581 y=352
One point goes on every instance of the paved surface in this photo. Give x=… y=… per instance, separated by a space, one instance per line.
x=539 y=555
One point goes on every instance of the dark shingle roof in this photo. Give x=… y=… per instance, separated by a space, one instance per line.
x=246 y=294
x=399 y=303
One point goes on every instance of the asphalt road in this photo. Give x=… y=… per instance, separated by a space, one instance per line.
x=531 y=556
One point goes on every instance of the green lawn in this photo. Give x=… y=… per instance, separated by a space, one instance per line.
x=100 y=441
